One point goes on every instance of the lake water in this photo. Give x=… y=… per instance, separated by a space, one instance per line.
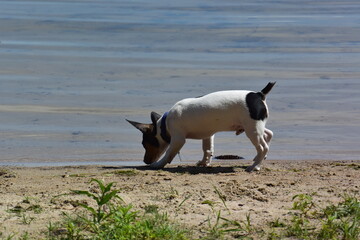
x=72 y=71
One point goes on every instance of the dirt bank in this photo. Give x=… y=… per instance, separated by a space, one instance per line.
x=32 y=197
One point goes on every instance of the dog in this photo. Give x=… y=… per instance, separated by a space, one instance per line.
x=200 y=118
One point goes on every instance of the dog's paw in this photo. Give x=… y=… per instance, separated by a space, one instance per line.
x=203 y=164
x=253 y=168
x=249 y=169
x=156 y=166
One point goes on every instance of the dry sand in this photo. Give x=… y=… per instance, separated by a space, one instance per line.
x=265 y=195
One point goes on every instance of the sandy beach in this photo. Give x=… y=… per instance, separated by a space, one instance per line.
x=265 y=195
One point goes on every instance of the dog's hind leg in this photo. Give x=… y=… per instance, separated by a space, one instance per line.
x=175 y=145
x=208 y=149
x=259 y=140
x=268 y=134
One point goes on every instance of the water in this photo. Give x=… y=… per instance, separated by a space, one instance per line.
x=72 y=71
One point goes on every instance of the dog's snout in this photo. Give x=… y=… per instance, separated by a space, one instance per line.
x=148 y=160
x=151 y=153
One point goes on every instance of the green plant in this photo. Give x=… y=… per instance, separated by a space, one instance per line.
x=172 y=194
x=113 y=220
x=208 y=202
x=17 y=210
x=299 y=227
x=277 y=223
x=303 y=202
x=341 y=221
x=26 y=219
x=102 y=199
x=248 y=226
x=220 y=227
x=36 y=208
x=26 y=200
x=151 y=208
x=130 y=172
x=25 y=236
x=222 y=197
x=215 y=230
x=183 y=201
x=273 y=236
x=9 y=237
x=300 y=224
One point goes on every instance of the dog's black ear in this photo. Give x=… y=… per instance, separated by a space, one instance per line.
x=143 y=127
x=155 y=117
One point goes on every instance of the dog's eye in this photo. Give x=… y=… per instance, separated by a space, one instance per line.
x=150 y=140
x=154 y=142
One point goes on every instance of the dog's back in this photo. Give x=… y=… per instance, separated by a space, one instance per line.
x=218 y=111
x=206 y=115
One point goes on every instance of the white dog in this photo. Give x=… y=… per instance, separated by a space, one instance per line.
x=201 y=118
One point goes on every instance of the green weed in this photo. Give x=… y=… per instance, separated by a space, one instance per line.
x=221 y=227
x=102 y=199
x=17 y=210
x=341 y=221
x=304 y=203
x=172 y=194
x=105 y=216
x=222 y=197
x=22 y=208
x=351 y=165
x=277 y=224
x=8 y=237
x=208 y=202
x=25 y=236
x=183 y=201
x=111 y=219
x=130 y=172
x=26 y=219
x=36 y=208
x=151 y=208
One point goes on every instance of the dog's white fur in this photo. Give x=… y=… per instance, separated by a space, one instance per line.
x=201 y=118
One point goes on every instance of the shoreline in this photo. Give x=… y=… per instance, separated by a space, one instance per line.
x=141 y=164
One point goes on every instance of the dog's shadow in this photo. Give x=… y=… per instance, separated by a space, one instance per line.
x=184 y=169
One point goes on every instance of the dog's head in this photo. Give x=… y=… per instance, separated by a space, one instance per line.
x=154 y=147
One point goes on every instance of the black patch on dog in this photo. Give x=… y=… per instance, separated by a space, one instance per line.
x=151 y=139
x=257 y=108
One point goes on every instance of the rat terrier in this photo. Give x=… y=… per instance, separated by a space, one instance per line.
x=200 y=118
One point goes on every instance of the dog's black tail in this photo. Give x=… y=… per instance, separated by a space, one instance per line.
x=268 y=88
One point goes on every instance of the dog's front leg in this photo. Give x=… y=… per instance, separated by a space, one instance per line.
x=175 y=145
x=208 y=149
